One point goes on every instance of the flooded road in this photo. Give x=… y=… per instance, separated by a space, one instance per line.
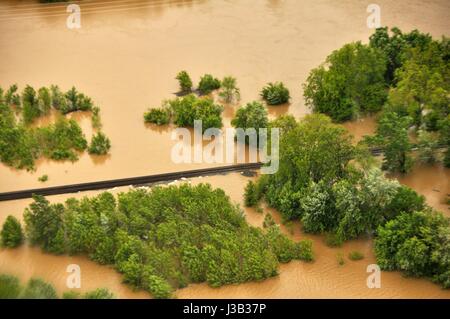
x=126 y=56
x=127 y=53
x=323 y=278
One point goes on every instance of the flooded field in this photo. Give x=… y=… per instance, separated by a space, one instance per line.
x=324 y=278
x=126 y=56
x=127 y=53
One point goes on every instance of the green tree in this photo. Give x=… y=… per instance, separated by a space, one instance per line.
x=392 y=136
x=351 y=81
x=184 y=81
x=229 y=90
x=158 y=116
x=11 y=234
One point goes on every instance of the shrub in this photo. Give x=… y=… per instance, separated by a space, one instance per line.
x=11 y=234
x=208 y=83
x=96 y=120
x=9 y=287
x=99 y=293
x=306 y=251
x=12 y=97
x=158 y=287
x=43 y=178
x=159 y=116
x=229 y=90
x=100 y=144
x=275 y=93
x=355 y=255
x=250 y=194
x=268 y=220
x=76 y=101
x=190 y=108
x=71 y=295
x=185 y=82
x=340 y=259
x=30 y=105
x=62 y=140
x=38 y=289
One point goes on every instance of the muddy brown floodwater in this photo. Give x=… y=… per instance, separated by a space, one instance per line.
x=126 y=56
x=323 y=278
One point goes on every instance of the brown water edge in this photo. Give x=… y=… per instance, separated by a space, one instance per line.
x=323 y=278
x=127 y=54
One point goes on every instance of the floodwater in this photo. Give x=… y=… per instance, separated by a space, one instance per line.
x=323 y=278
x=126 y=55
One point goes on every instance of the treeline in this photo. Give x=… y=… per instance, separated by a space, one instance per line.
x=184 y=110
x=331 y=187
x=406 y=76
x=162 y=239
x=10 y=288
x=21 y=143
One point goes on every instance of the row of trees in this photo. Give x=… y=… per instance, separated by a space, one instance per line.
x=21 y=144
x=404 y=75
x=165 y=238
x=328 y=184
x=272 y=93
x=10 y=288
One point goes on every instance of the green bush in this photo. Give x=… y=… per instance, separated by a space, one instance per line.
x=268 y=220
x=253 y=115
x=100 y=293
x=43 y=178
x=184 y=81
x=251 y=194
x=71 y=295
x=355 y=255
x=11 y=234
x=306 y=251
x=9 y=287
x=100 y=144
x=158 y=287
x=229 y=91
x=76 y=101
x=190 y=108
x=38 y=289
x=275 y=93
x=158 y=116
x=208 y=83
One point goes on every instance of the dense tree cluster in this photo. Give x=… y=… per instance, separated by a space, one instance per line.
x=22 y=143
x=10 y=288
x=185 y=110
x=322 y=183
x=351 y=81
x=164 y=238
x=407 y=74
x=417 y=243
x=319 y=182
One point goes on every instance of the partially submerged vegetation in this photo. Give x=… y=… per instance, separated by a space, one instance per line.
x=165 y=238
x=22 y=143
x=275 y=93
x=185 y=110
x=10 y=288
x=325 y=182
x=406 y=76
